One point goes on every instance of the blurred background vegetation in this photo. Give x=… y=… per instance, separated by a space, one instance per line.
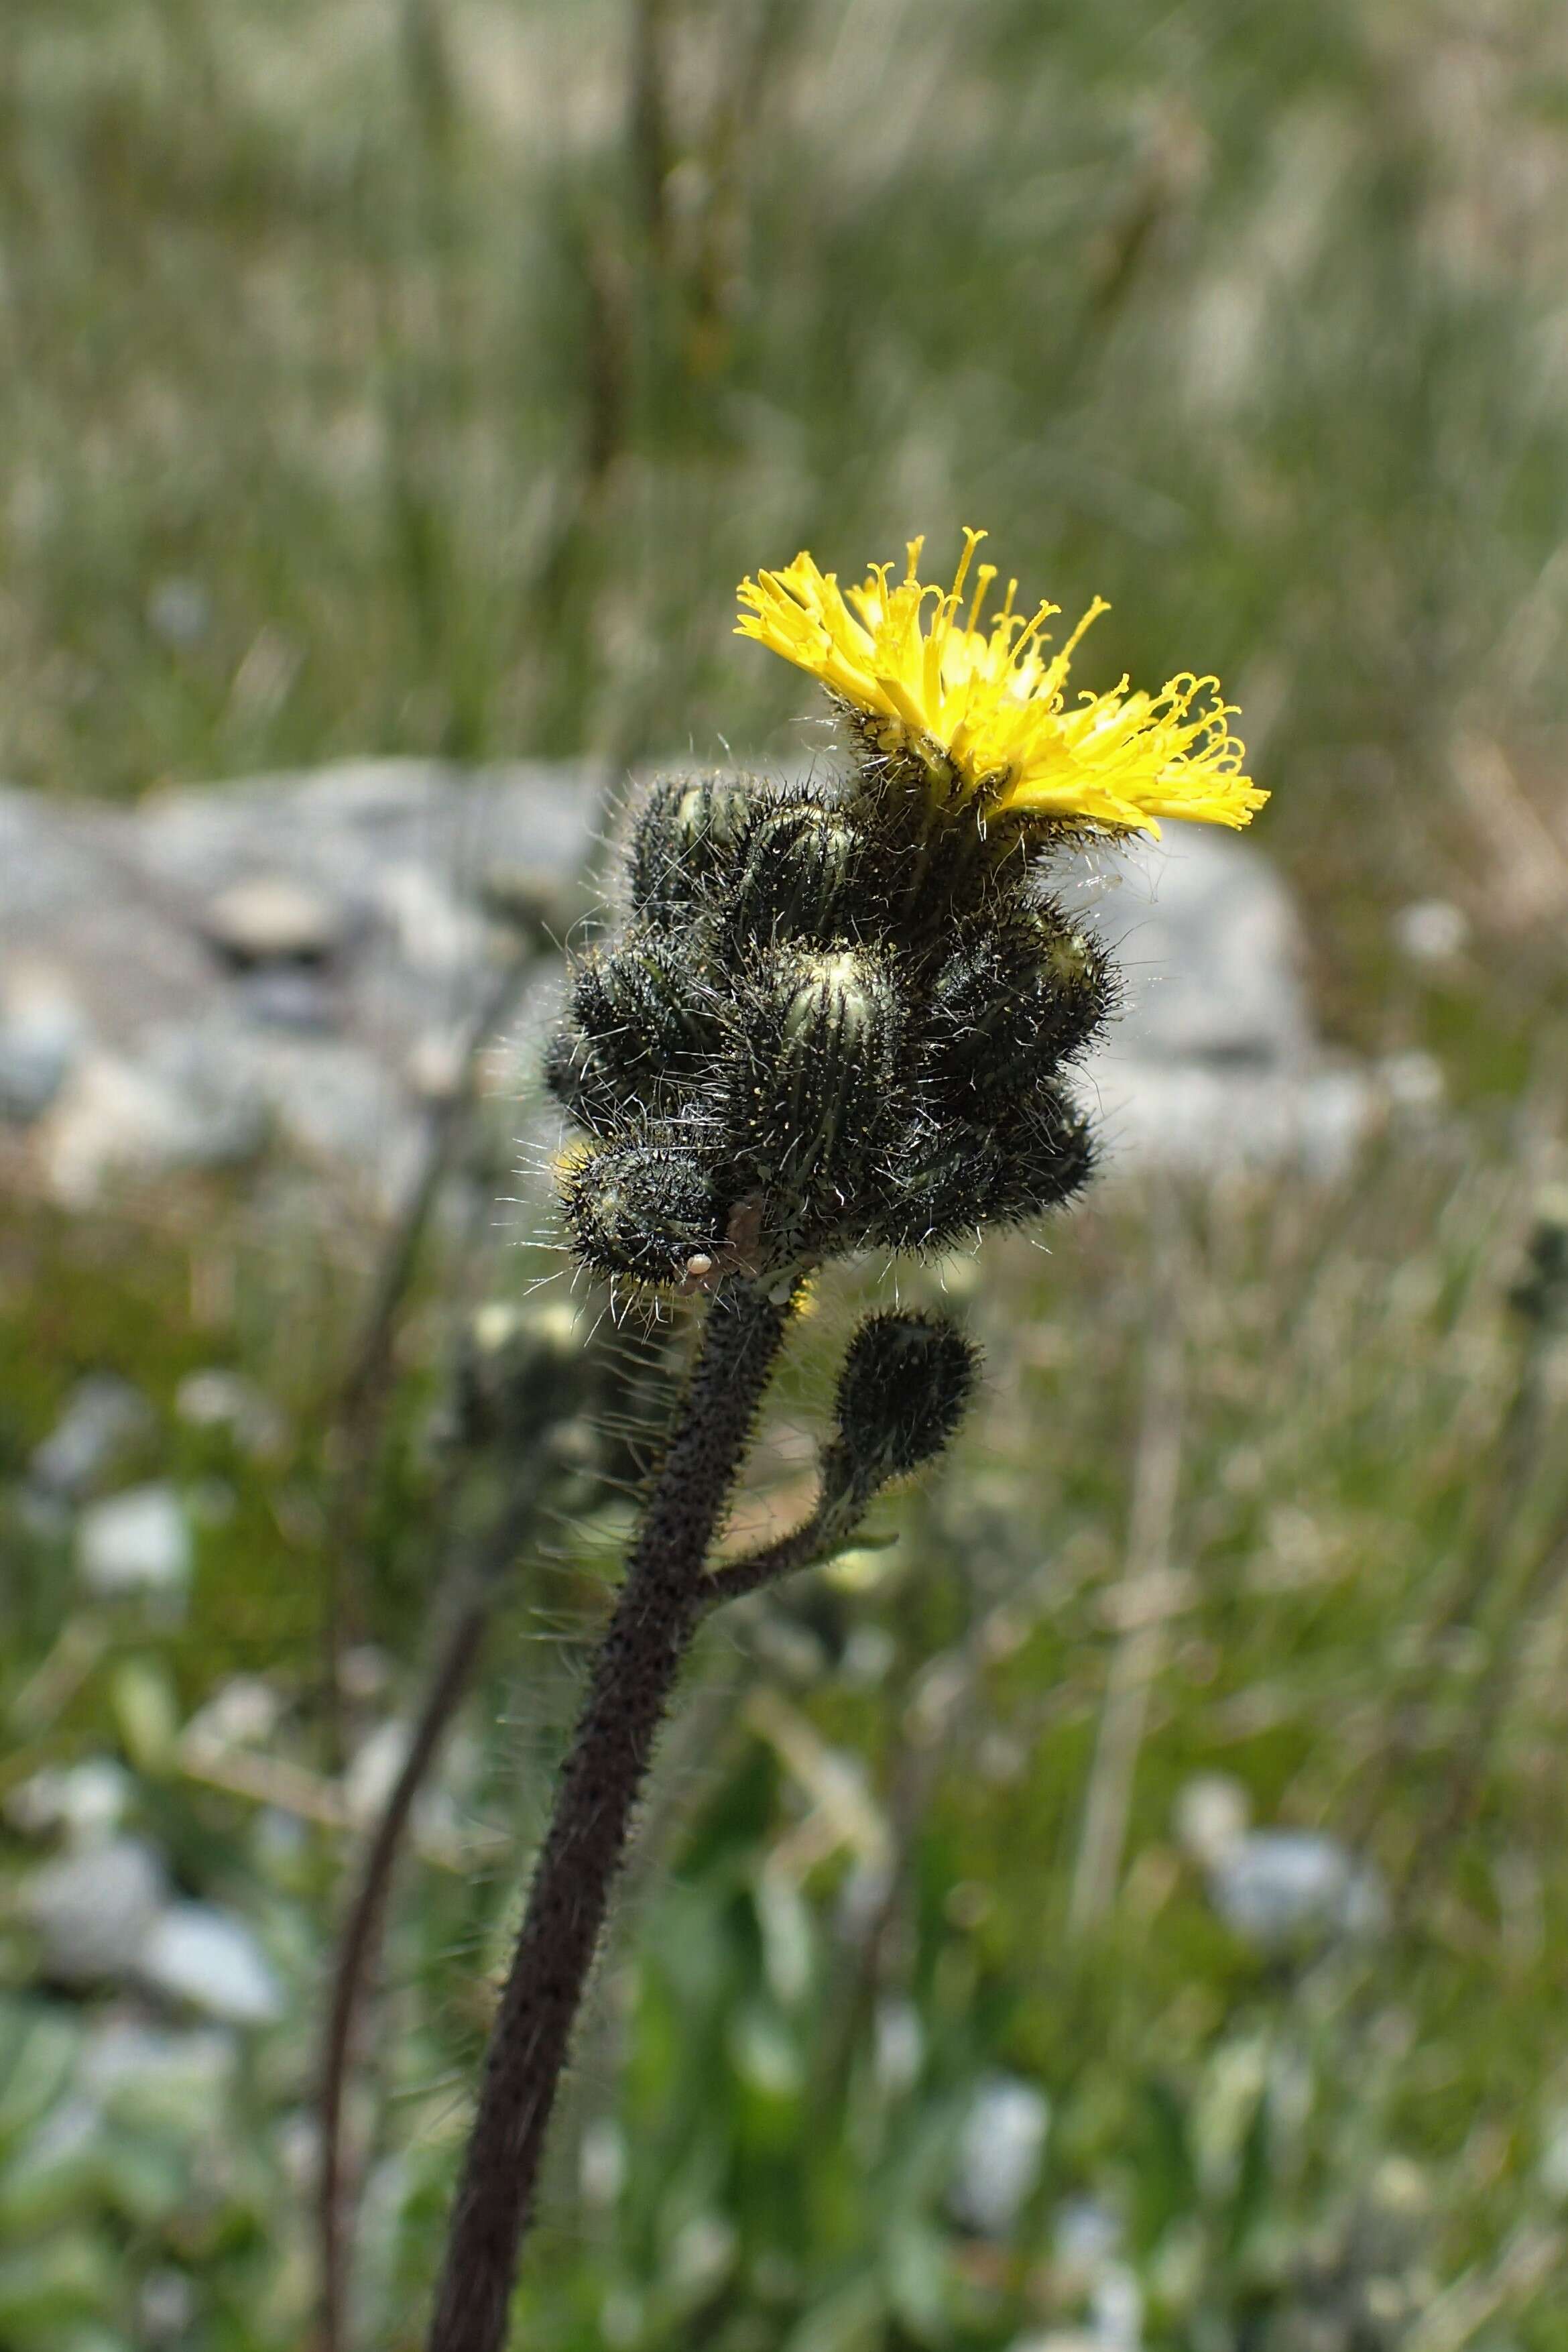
x=419 y=376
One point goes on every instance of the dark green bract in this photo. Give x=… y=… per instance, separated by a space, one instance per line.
x=826 y=1022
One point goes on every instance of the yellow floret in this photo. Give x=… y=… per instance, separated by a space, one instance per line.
x=986 y=707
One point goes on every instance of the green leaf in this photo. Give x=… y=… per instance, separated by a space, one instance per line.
x=38 y=2052
x=849 y=2319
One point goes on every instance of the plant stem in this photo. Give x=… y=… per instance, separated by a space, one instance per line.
x=357 y=1945
x=660 y=1606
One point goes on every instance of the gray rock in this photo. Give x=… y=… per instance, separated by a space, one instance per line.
x=43 y=1030
x=1213 y=1061
x=166 y=2307
x=1285 y=1891
x=360 y=908
x=176 y=1108
x=104 y=1421
x=339 y=1109
x=1209 y=944
x=135 y=1543
x=359 y=912
x=92 y=1911
x=1002 y=2145
x=199 y=1954
x=283 y=997
x=180 y=612
x=50 y=866
x=1085 y=2234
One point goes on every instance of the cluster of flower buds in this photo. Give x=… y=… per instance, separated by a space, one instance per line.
x=828 y=1020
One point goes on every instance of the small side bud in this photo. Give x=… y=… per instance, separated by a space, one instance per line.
x=822 y=1051
x=906 y=1385
x=643 y=1019
x=940 y=1184
x=950 y=1176
x=1022 y=993
x=585 y=1090
x=1046 y=1159
x=688 y=832
x=797 y=877
x=641 y=1210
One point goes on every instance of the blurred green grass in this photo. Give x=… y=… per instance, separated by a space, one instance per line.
x=454 y=359
x=421 y=377
x=1302 y=2151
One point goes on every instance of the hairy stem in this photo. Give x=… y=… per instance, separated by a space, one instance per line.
x=829 y=1526
x=660 y=1606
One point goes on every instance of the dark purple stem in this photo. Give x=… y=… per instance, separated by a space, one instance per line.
x=661 y=1604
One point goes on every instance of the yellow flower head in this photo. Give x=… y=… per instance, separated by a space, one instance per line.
x=988 y=710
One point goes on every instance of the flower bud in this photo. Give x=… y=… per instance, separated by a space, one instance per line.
x=642 y=1024
x=905 y=1384
x=1046 y=1157
x=798 y=875
x=688 y=834
x=642 y=1209
x=822 y=1052
x=1021 y=993
x=577 y=1079
x=940 y=1183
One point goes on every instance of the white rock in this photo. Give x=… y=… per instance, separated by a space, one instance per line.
x=244 y=1713
x=1213 y=1063
x=1189 y=1116
x=1210 y=1817
x=1209 y=946
x=43 y=1029
x=1085 y=2233
x=900 y=2046
x=219 y=1399
x=377 y=1761
x=1433 y=930
x=197 y=1954
x=337 y=1106
x=138 y=1542
x=180 y=611
x=436 y=933
x=273 y=918
x=118 y=1117
x=104 y=1418
x=86 y=1802
x=166 y=2307
x=1000 y=2146
x=1117 y=2309
x=123 y=2056
x=1551 y=2164
x=1287 y=1890
x=1413 y=1081
x=92 y=1911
